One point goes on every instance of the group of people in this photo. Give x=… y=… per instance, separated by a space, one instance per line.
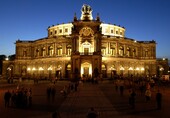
x=19 y=98
x=144 y=88
x=72 y=86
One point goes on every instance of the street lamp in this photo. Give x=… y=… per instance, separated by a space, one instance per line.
x=8 y=74
x=161 y=71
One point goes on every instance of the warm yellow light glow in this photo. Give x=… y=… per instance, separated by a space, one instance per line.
x=8 y=68
x=41 y=68
x=50 y=68
x=112 y=68
x=90 y=70
x=28 y=69
x=130 y=68
x=121 y=68
x=112 y=30
x=142 y=68
x=33 y=69
x=7 y=59
x=161 y=69
x=87 y=65
x=137 y=68
x=82 y=71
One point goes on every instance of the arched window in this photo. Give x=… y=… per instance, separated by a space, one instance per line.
x=146 y=53
x=37 y=52
x=43 y=51
x=104 y=71
x=121 y=51
x=128 y=52
x=103 y=50
x=134 y=53
x=24 y=53
x=113 y=49
x=50 y=51
x=59 y=51
x=68 y=51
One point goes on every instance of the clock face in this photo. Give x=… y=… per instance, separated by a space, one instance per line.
x=86 y=31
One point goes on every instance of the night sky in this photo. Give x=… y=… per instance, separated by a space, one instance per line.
x=144 y=20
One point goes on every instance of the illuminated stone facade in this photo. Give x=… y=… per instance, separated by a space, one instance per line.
x=84 y=47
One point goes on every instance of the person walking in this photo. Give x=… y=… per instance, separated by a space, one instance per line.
x=148 y=95
x=7 y=98
x=30 y=97
x=159 y=100
x=53 y=92
x=48 y=93
x=132 y=99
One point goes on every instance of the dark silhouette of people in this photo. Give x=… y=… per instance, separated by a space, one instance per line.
x=92 y=113
x=132 y=99
x=159 y=100
x=53 y=92
x=48 y=93
x=30 y=97
x=148 y=95
x=7 y=98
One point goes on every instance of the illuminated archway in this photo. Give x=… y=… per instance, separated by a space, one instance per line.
x=86 y=69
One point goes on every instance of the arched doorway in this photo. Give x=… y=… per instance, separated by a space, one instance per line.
x=86 y=69
x=68 y=71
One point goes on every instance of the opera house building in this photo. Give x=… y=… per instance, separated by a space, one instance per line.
x=85 y=47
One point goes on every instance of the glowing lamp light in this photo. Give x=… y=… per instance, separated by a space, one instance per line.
x=130 y=68
x=121 y=68
x=28 y=69
x=161 y=69
x=137 y=68
x=7 y=59
x=142 y=68
x=41 y=68
x=50 y=68
x=8 y=68
x=33 y=69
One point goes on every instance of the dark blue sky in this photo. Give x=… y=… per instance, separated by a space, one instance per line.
x=29 y=19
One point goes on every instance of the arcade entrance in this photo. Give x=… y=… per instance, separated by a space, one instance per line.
x=86 y=69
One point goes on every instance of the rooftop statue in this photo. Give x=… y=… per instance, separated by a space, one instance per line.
x=86 y=12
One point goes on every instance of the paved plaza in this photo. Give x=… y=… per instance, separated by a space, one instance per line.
x=102 y=96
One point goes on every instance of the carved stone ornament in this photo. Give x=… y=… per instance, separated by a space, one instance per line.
x=86 y=31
